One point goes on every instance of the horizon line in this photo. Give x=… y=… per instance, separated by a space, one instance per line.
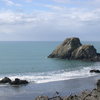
x=44 y=41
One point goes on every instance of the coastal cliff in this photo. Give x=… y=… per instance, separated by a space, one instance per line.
x=72 y=48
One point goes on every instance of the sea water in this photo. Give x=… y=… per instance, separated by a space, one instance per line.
x=29 y=60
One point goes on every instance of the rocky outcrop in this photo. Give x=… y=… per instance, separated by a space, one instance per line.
x=66 y=48
x=94 y=71
x=42 y=98
x=18 y=82
x=15 y=82
x=84 y=52
x=71 y=48
x=98 y=85
x=5 y=80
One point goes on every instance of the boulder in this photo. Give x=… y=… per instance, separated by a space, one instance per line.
x=46 y=98
x=94 y=71
x=18 y=82
x=42 y=98
x=75 y=97
x=5 y=80
x=66 y=48
x=84 y=52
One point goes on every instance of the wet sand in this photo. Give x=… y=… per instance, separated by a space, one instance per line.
x=32 y=90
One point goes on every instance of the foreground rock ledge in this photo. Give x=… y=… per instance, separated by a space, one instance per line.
x=72 y=48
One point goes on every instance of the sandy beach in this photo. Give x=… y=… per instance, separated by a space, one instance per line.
x=32 y=90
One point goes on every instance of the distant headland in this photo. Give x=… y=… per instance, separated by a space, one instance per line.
x=72 y=48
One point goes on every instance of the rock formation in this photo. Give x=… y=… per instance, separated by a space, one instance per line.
x=15 y=82
x=84 y=52
x=5 y=80
x=18 y=82
x=42 y=98
x=94 y=71
x=66 y=48
x=72 y=48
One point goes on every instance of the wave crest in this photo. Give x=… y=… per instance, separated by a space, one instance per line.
x=53 y=76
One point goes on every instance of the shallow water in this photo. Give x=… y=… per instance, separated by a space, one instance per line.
x=28 y=60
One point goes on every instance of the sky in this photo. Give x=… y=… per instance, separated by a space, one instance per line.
x=49 y=20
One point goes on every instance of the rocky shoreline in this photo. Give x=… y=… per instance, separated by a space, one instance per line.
x=74 y=89
x=85 y=95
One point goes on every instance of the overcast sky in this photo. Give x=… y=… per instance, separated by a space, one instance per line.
x=49 y=20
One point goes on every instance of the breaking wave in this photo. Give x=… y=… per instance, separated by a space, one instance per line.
x=45 y=77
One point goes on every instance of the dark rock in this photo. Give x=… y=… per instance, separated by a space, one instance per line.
x=94 y=71
x=72 y=98
x=98 y=85
x=66 y=48
x=5 y=80
x=71 y=48
x=84 y=52
x=18 y=82
x=46 y=98
x=42 y=98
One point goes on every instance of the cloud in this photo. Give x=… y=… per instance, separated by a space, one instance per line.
x=68 y=22
x=56 y=23
x=10 y=17
x=11 y=3
x=80 y=3
x=62 y=1
x=29 y=0
x=53 y=7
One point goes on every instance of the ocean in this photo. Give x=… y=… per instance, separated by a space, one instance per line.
x=28 y=60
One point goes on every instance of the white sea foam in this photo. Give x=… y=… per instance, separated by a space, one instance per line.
x=54 y=75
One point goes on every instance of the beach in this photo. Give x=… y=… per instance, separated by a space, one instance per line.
x=32 y=90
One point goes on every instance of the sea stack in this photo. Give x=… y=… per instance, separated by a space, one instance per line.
x=72 y=48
